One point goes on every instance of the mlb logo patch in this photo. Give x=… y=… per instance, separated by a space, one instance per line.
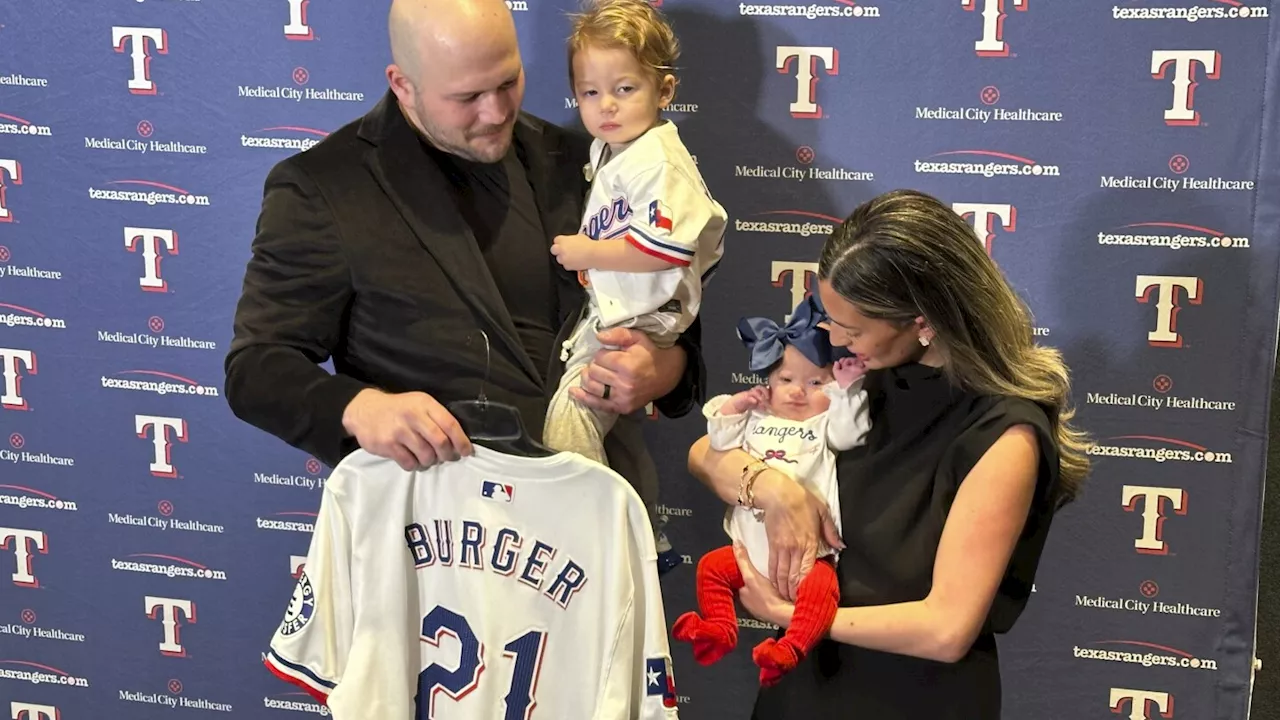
x=660 y=681
x=659 y=215
x=497 y=491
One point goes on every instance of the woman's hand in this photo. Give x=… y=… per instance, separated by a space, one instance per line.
x=758 y=596
x=795 y=521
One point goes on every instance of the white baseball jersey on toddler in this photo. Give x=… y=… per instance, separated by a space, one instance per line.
x=477 y=589
x=651 y=194
x=804 y=450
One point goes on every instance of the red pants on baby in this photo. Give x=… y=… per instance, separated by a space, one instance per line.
x=715 y=633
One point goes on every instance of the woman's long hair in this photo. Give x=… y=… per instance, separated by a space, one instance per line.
x=904 y=255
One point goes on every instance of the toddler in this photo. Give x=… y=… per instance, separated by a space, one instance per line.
x=812 y=408
x=651 y=233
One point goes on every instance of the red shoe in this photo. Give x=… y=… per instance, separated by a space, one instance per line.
x=775 y=660
x=711 y=641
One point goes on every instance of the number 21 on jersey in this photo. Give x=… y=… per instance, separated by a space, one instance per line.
x=525 y=651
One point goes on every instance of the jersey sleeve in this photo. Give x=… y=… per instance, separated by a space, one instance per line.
x=653 y=679
x=312 y=643
x=670 y=213
x=848 y=419
x=640 y=683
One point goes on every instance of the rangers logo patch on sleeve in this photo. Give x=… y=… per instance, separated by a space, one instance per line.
x=659 y=215
x=301 y=606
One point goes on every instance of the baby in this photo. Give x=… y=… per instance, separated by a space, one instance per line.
x=813 y=407
x=651 y=233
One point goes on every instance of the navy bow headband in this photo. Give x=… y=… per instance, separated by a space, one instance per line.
x=767 y=340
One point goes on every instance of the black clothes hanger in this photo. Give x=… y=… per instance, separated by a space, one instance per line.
x=495 y=425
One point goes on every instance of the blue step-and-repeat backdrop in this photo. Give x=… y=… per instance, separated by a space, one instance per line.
x=1118 y=161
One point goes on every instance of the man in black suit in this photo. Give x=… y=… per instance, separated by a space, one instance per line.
x=386 y=246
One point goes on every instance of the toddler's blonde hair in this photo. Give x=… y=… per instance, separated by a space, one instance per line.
x=631 y=25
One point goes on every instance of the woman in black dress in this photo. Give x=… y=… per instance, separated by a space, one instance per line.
x=947 y=506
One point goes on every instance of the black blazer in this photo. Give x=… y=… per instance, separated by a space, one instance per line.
x=360 y=256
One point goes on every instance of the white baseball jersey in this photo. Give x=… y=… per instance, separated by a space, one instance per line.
x=804 y=450
x=494 y=587
x=652 y=194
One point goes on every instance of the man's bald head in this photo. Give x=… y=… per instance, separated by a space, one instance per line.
x=425 y=31
x=457 y=73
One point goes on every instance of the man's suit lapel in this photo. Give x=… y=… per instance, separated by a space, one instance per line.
x=420 y=191
x=554 y=164
x=545 y=162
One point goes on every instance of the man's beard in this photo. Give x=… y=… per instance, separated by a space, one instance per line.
x=463 y=148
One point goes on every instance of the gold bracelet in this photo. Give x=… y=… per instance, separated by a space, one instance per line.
x=742 y=481
x=747 y=487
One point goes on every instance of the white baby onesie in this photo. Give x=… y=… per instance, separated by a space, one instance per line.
x=804 y=450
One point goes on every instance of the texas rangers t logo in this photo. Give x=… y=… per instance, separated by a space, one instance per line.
x=985 y=216
x=140 y=83
x=31 y=711
x=162 y=462
x=806 y=103
x=167 y=610
x=1143 y=704
x=298 y=29
x=11 y=362
x=1167 y=304
x=1184 y=79
x=1154 y=514
x=151 y=239
x=21 y=542
x=992 y=43
x=13 y=169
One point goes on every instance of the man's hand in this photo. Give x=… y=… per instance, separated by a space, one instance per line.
x=637 y=372
x=848 y=369
x=410 y=428
x=752 y=399
x=574 y=252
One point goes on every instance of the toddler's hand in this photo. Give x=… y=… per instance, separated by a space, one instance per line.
x=573 y=252
x=848 y=369
x=746 y=400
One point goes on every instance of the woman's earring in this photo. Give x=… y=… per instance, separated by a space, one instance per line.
x=924 y=341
